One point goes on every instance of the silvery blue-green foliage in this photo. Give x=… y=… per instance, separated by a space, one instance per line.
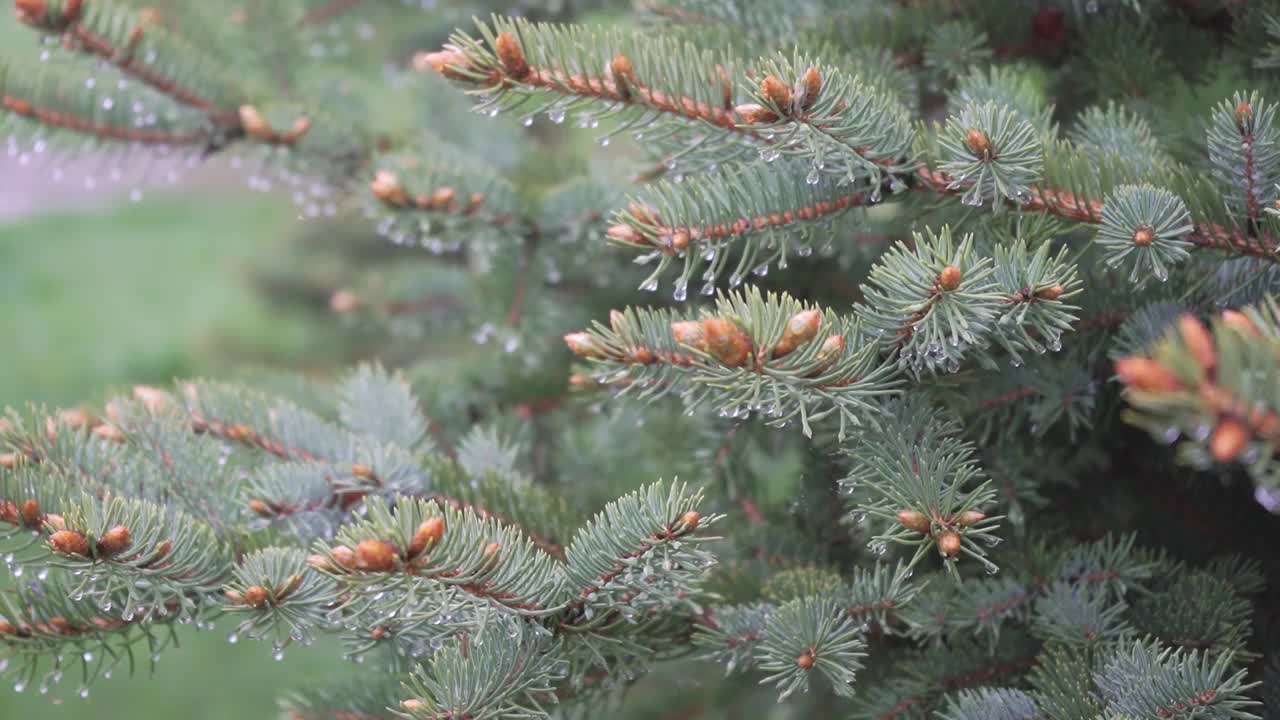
x=1243 y=139
x=992 y=153
x=1143 y=680
x=991 y=704
x=1143 y=228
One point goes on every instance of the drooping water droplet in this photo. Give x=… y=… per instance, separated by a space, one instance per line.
x=556 y=116
x=813 y=176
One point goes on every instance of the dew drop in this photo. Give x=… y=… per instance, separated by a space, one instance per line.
x=556 y=116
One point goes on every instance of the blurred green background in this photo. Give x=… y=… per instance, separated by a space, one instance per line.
x=122 y=293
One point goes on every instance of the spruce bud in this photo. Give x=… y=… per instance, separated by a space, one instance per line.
x=511 y=55
x=831 y=350
x=344 y=302
x=1146 y=374
x=255 y=125
x=343 y=556
x=725 y=342
x=969 y=518
x=689 y=520
x=386 y=188
x=805 y=660
x=1051 y=293
x=812 y=81
x=801 y=328
x=444 y=62
x=914 y=520
x=375 y=556
x=584 y=345
x=623 y=74
x=690 y=333
x=949 y=543
x=1144 y=236
x=627 y=235
x=1244 y=113
x=114 y=541
x=1229 y=439
x=32 y=516
x=949 y=278
x=776 y=92
x=491 y=550
x=752 y=113
x=9 y=461
x=31 y=12
x=69 y=542
x=978 y=142
x=427 y=534
x=1240 y=322
x=254 y=596
x=1198 y=342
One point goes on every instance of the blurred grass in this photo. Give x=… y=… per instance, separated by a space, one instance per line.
x=135 y=294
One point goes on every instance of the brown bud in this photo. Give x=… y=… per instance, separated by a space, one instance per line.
x=831 y=350
x=578 y=381
x=288 y=587
x=949 y=278
x=76 y=418
x=378 y=633
x=153 y=399
x=618 y=321
x=9 y=461
x=344 y=302
x=296 y=131
x=914 y=520
x=255 y=125
x=812 y=81
x=1239 y=322
x=511 y=55
x=1051 y=293
x=254 y=596
x=725 y=342
x=428 y=533
x=161 y=552
x=680 y=240
x=690 y=333
x=1244 y=113
x=805 y=660
x=110 y=433
x=364 y=472
x=319 y=562
x=114 y=541
x=59 y=625
x=949 y=543
x=584 y=345
x=445 y=62
x=623 y=74
x=1146 y=374
x=442 y=198
x=978 y=142
x=1198 y=342
x=32 y=516
x=8 y=512
x=1144 y=236
x=801 y=328
x=32 y=12
x=776 y=92
x=261 y=508
x=375 y=556
x=343 y=556
x=689 y=520
x=53 y=521
x=386 y=188
x=752 y=113
x=7 y=628
x=1229 y=439
x=412 y=704
x=626 y=234
x=491 y=550
x=71 y=10
x=69 y=542
x=969 y=518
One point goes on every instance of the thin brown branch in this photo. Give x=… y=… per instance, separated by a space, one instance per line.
x=86 y=126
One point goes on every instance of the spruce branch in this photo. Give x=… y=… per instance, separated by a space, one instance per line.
x=138 y=44
x=754 y=353
x=807 y=636
x=1242 y=141
x=1144 y=679
x=749 y=217
x=990 y=704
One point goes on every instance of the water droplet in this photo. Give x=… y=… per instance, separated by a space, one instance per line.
x=84 y=693
x=813 y=176
x=681 y=291
x=19 y=686
x=556 y=116
x=527 y=121
x=278 y=655
x=233 y=638
x=88 y=657
x=1170 y=435
x=604 y=141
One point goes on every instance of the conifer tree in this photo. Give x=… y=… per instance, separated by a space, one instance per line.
x=949 y=386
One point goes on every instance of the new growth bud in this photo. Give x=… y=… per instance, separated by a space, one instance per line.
x=800 y=329
x=949 y=278
x=511 y=55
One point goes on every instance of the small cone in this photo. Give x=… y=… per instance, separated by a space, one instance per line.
x=1146 y=374
x=1229 y=439
x=812 y=80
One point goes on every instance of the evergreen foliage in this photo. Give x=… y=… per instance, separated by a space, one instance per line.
x=962 y=271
